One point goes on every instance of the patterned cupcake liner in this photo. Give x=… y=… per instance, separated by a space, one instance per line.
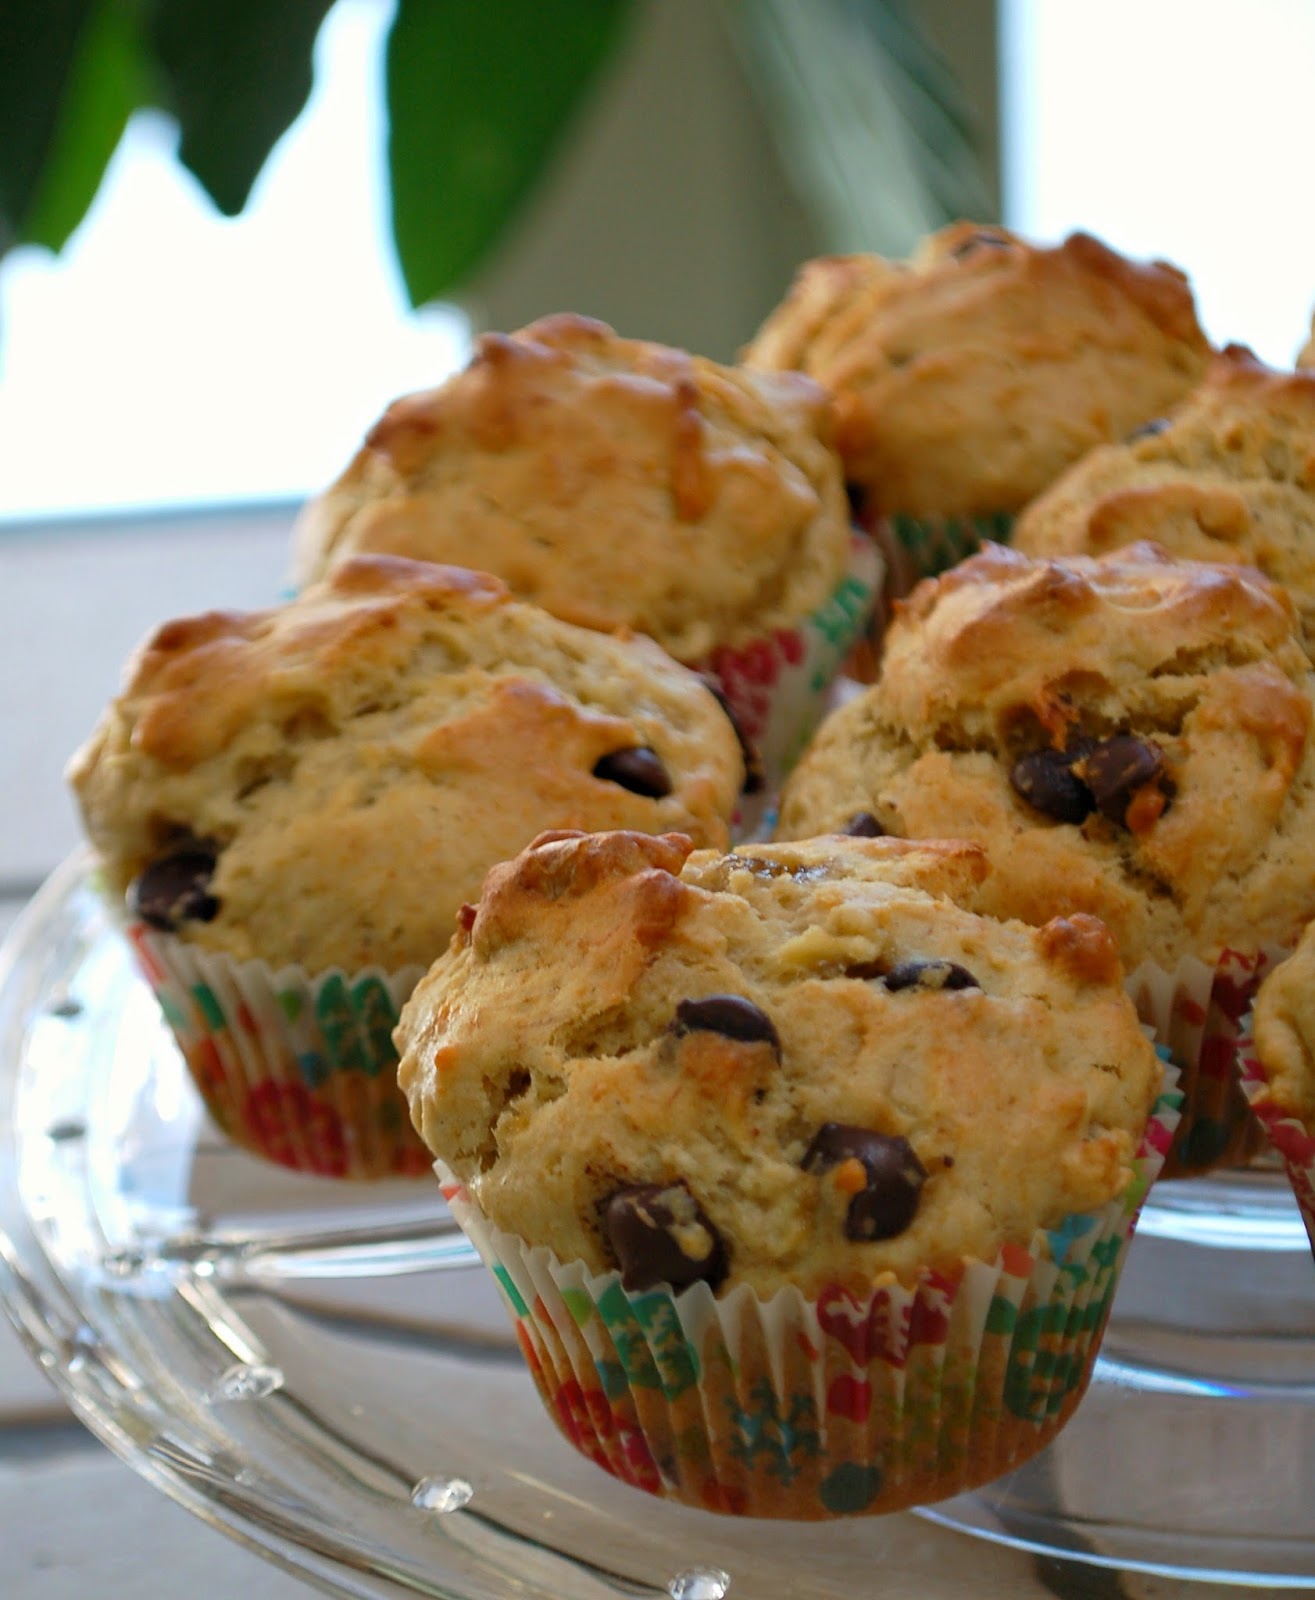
x=1292 y=1139
x=776 y=687
x=1198 y=1010
x=914 y=548
x=296 y=1068
x=847 y=1404
x=920 y=547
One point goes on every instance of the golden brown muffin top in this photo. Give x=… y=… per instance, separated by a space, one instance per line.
x=342 y=770
x=815 y=1063
x=614 y=482
x=968 y=378
x=1127 y=736
x=1284 y=1024
x=1228 y=476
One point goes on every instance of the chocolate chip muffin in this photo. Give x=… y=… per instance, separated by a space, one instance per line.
x=772 y=1066
x=623 y=484
x=799 y=1068
x=328 y=781
x=1284 y=1028
x=1228 y=476
x=614 y=482
x=1278 y=1069
x=296 y=802
x=967 y=378
x=1128 y=736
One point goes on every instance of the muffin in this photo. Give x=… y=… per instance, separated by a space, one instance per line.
x=622 y=484
x=1228 y=476
x=805 y=1184
x=1128 y=736
x=1306 y=356
x=1278 y=1069
x=292 y=806
x=967 y=379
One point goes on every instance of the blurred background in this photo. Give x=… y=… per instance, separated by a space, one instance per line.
x=170 y=355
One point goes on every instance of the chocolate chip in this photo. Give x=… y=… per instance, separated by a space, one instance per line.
x=1148 y=430
x=1116 y=769
x=754 y=776
x=1046 y=780
x=175 y=887
x=929 y=973
x=660 y=1234
x=888 y=1201
x=979 y=241
x=863 y=825
x=730 y=1015
x=638 y=769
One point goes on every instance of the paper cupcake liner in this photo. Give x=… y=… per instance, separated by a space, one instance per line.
x=913 y=548
x=919 y=547
x=1197 y=1009
x=1292 y=1139
x=297 y=1068
x=776 y=686
x=837 y=1406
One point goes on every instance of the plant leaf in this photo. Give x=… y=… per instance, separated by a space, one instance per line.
x=107 y=81
x=480 y=93
x=871 y=125
x=236 y=74
x=37 y=46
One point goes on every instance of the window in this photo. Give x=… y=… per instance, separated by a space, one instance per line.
x=173 y=356
x=1175 y=130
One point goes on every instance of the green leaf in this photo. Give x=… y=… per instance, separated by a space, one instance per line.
x=236 y=74
x=37 y=46
x=480 y=93
x=107 y=81
x=870 y=123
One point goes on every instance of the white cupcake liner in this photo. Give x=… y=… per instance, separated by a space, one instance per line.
x=1197 y=1009
x=1292 y=1139
x=840 y=1405
x=299 y=1068
x=776 y=686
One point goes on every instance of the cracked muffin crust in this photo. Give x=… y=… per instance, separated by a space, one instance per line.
x=1229 y=476
x=614 y=482
x=801 y=1063
x=969 y=377
x=1128 y=736
x=326 y=782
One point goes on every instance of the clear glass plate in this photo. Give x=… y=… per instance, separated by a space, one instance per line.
x=326 y=1373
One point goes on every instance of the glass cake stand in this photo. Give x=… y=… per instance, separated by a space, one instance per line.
x=326 y=1373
